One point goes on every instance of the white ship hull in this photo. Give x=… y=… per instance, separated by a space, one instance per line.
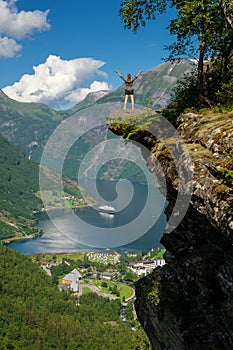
x=104 y=210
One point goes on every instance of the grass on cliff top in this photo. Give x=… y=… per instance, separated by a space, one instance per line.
x=208 y=131
x=209 y=120
x=129 y=122
x=137 y=117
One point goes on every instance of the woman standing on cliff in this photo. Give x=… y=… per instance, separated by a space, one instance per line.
x=129 y=87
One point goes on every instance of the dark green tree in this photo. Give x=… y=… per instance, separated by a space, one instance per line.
x=203 y=29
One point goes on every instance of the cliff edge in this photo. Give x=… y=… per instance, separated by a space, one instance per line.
x=188 y=304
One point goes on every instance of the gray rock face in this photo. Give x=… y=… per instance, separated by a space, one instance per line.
x=188 y=304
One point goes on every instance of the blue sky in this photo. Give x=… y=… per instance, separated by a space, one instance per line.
x=56 y=52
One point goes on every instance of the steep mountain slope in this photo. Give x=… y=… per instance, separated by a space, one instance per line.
x=30 y=125
x=36 y=315
x=187 y=304
x=19 y=192
x=88 y=101
x=154 y=87
x=19 y=184
x=27 y=124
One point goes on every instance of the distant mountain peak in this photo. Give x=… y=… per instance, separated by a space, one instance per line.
x=30 y=125
x=155 y=84
x=98 y=94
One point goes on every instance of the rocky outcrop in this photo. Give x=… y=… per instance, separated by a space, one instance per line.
x=188 y=304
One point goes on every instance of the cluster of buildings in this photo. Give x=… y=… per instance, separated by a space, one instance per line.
x=142 y=268
x=104 y=258
x=74 y=200
x=72 y=281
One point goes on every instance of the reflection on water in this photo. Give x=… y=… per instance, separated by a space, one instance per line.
x=68 y=236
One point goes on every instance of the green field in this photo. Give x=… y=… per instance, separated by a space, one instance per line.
x=85 y=290
x=124 y=290
x=60 y=256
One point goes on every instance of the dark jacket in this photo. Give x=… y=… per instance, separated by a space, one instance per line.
x=129 y=85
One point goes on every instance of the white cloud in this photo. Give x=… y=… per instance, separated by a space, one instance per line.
x=81 y=93
x=8 y=47
x=57 y=81
x=17 y=25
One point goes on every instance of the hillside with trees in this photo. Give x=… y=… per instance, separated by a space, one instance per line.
x=19 y=192
x=19 y=184
x=34 y=314
x=196 y=282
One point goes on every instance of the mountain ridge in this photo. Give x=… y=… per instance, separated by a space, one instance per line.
x=30 y=125
x=27 y=125
x=154 y=86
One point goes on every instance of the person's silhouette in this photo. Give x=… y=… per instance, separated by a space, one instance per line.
x=129 y=87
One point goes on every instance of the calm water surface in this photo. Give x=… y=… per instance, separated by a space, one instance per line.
x=64 y=235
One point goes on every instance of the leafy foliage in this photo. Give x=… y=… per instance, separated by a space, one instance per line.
x=187 y=94
x=135 y=13
x=35 y=315
x=19 y=184
x=202 y=30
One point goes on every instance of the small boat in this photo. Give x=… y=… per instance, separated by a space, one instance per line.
x=107 y=209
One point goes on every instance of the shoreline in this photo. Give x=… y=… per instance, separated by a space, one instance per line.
x=44 y=210
x=79 y=252
x=40 y=233
x=23 y=238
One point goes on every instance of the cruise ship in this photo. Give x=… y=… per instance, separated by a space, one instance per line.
x=107 y=209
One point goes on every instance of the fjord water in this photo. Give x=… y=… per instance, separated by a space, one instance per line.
x=67 y=238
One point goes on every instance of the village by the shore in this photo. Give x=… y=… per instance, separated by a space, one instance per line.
x=108 y=273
